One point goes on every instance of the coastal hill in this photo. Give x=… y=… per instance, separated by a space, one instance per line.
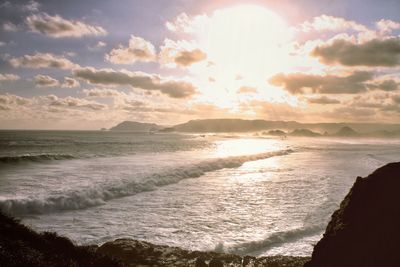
x=304 y=132
x=346 y=132
x=240 y=125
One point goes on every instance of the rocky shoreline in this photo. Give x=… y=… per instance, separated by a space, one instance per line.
x=140 y=253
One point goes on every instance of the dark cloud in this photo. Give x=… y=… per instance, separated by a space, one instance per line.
x=172 y=88
x=387 y=85
x=374 y=53
x=324 y=100
x=300 y=83
x=187 y=58
x=396 y=99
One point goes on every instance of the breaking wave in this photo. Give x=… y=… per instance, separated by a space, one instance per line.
x=273 y=240
x=34 y=158
x=98 y=195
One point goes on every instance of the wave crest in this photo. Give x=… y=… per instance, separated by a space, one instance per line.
x=98 y=195
x=275 y=239
x=34 y=158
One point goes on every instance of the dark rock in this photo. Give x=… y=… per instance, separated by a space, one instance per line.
x=247 y=260
x=200 y=262
x=21 y=246
x=215 y=263
x=364 y=231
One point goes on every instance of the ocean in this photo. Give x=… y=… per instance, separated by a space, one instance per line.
x=222 y=192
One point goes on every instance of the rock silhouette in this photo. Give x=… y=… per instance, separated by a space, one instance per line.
x=364 y=231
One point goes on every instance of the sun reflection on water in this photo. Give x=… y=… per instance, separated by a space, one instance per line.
x=245 y=146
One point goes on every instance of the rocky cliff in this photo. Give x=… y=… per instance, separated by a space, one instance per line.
x=364 y=231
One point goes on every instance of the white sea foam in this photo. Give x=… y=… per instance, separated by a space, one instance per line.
x=99 y=194
x=274 y=239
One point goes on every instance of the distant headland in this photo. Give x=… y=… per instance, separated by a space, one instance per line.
x=267 y=127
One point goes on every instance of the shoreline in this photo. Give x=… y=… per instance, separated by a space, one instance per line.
x=135 y=252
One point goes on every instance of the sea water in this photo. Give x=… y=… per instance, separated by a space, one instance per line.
x=230 y=193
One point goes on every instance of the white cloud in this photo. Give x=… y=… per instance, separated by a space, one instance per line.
x=387 y=26
x=46 y=81
x=186 y=24
x=43 y=60
x=102 y=92
x=10 y=27
x=331 y=23
x=137 y=50
x=9 y=77
x=70 y=83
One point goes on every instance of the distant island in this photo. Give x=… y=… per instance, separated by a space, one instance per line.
x=265 y=127
x=133 y=126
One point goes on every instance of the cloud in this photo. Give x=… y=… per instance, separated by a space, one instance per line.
x=137 y=50
x=170 y=87
x=186 y=58
x=354 y=112
x=300 y=83
x=374 y=53
x=9 y=99
x=73 y=102
x=247 y=90
x=385 y=85
x=10 y=27
x=43 y=60
x=102 y=92
x=46 y=81
x=181 y=53
x=185 y=24
x=324 y=100
x=99 y=45
x=70 y=83
x=58 y=27
x=387 y=26
x=31 y=6
x=9 y=77
x=330 y=23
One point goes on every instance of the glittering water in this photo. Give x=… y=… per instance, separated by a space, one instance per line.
x=238 y=194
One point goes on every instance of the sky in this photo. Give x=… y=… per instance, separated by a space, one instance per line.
x=94 y=63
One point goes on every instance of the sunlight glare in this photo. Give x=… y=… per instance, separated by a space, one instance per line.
x=247 y=40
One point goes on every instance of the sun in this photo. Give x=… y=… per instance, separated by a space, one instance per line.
x=245 y=45
x=247 y=40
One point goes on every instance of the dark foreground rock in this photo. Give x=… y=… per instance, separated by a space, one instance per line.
x=365 y=231
x=134 y=253
x=21 y=246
